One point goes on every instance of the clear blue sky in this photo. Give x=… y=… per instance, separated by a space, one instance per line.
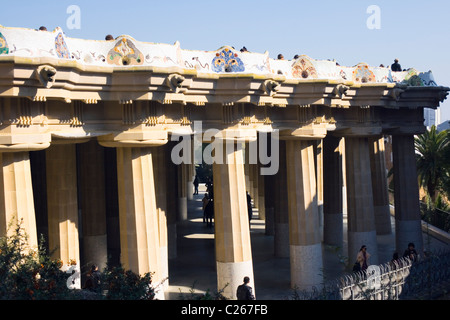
x=415 y=32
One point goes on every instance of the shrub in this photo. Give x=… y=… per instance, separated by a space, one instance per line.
x=121 y=284
x=28 y=273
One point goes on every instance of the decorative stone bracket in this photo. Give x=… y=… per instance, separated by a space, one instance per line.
x=174 y=82
x=46 y=75
x=270 y=87
x=340 y=90
x=396 y=93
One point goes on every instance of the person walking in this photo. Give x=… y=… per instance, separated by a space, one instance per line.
x=363 y=258
x=205 y=201
x=244 y=291
x=209 y=213
x=196 y=185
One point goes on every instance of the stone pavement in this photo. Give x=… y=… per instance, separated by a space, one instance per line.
x=194 y=269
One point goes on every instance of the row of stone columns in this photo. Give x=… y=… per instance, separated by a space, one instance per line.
x=147 y=228
x=359 y=166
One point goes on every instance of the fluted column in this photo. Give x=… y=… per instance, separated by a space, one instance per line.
x=255 y=177
x=333 y=228
x=182 y=192
x=304 y=232
x=16 y=196
x=261 y=195
x=406 y=194
x=232 y=232
x=361 y=221
x=380 y=186
x=159 y=163
x=248 y=181
x=318 y=148
x=172 y=203
x=139 y=234
x=62 y=199
x=269 y=202
x=93 y=203
x=281 y=236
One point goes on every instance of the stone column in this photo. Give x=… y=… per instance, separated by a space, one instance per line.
x=255 y=177
x=16 y=196
x=406 y=194
x=232 y=230
x=62 y=199
x=269 y=192
x=333 y=228
x=269 y=202
x=172 y=203
x=190 y=177
x=360 y=215
x=138 y=214
x=380 y=186
x=159 y=164
x=248 y=182
x=93 y=203
x=318 y=148
x=261 y=196
x=182 y=192
x=112 y=206
x=304 y=232
x=281 y=236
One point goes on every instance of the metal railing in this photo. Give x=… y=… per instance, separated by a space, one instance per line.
x=396 y=280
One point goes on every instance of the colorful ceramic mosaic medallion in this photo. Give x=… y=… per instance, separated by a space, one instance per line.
x=363 y=74
x=3 y=45
x=413 y=79
x=227 y=61
x=125 y=53
x=61 y=47
x=304 y=69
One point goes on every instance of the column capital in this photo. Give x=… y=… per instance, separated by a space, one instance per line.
x=314 y=132
x=17 y=142
x=134 y=139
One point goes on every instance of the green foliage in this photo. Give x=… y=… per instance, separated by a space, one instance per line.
x=433 y=171
x=27 y=273
x=432 y=149
x=121 y=284
x=30 y=274
x=218 y=295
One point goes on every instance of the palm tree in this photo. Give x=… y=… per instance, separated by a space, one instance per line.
x=431 y=159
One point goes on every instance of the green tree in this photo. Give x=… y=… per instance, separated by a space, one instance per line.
x=432 y=164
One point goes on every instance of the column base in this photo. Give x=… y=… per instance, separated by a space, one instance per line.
x=190 y=190
x=231 y=274
x=261 y=208
x=306 y=266
x=182 y=209
x=270 y=226
x=333 y=232
x=382 y=219
x=357 y=239
x=172 y=240
x=407 y=231
x=321 y=218
x=164 y=267
x=281 y=240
